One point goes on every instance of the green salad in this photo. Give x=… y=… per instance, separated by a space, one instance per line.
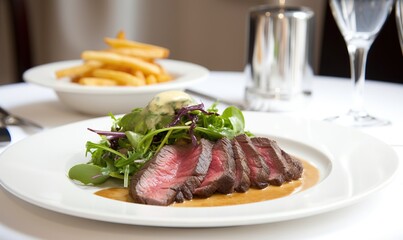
x=171 y=117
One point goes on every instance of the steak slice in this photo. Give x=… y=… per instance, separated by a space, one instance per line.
x=283 y=167
x=242 y=181
x=259 y=171
x=172 y=174
x=220 y=176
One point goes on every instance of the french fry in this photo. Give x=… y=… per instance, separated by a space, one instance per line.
x=163 y=78
x=121 y=78
x=76 y=79
x=116 y=59
x=139 y=74
x=125 y=63
x=93 y=81
x=121 y=35
x=117 y=68
x=146 y=53
x=123 y=43
x=151 y=79
x=79 y=70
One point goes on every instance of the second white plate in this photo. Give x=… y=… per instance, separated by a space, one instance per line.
x=101 y=100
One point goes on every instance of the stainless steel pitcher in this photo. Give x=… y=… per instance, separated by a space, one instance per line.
x=279 y=58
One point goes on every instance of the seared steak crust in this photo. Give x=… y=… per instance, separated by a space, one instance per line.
x=242 y=181
x=283 y=167
x=259 y=171
x=221 y=174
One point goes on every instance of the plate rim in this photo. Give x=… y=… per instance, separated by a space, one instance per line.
x=205 y=221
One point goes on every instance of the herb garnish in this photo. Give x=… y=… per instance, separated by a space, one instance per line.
x=132 y=141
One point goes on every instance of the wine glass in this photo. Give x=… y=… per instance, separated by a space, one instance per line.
x=399 y=21
x=359 y=22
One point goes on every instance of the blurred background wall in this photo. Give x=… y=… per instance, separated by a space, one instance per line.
x=211 y=33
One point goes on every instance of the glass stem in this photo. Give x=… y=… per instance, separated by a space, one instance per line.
x=358 y=58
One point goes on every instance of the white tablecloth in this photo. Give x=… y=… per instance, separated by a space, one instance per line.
x=379 y=216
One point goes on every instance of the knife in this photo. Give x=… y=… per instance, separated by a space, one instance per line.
x=5 y=137
x=8 y=119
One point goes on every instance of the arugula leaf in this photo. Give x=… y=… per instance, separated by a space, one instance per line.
x=134 y=138
x=88 y=174
x=236 y=118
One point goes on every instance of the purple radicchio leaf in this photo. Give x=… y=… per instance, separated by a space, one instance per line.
x=186 y=111
x=109 y=134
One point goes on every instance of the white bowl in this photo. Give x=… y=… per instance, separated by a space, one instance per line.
x=96 y=100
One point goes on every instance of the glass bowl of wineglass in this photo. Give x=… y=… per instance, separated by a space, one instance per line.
x=359 y=22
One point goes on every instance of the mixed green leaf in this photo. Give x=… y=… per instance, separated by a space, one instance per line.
x=134 y=139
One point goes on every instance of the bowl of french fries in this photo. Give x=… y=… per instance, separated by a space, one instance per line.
x=124 y=76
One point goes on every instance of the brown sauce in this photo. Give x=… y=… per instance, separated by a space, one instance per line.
x=310 y=177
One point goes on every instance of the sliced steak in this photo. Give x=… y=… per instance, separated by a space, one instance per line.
x=283 y=167
x=172 y=174
x=259 y=171
x=220 y=176
x=242 y=181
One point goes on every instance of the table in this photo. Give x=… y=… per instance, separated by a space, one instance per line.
x=378 y=216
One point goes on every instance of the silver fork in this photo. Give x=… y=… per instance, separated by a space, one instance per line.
x=8 y=119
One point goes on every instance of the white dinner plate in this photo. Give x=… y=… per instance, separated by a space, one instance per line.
x=352 y=165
